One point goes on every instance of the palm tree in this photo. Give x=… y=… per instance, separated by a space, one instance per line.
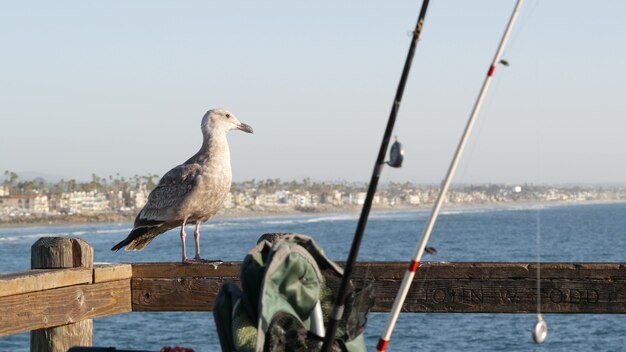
x=95 y=184
x=150 y=184
x=10 y=180
x=72 y=185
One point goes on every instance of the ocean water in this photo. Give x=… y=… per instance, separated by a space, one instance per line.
x=572 y=233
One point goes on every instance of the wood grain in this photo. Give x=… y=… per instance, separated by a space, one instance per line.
x=60 y=252
x=111 y=272
x=51 y=308
x=437 y=287
x=42 y=279
x=170 y=294
x=175 y=270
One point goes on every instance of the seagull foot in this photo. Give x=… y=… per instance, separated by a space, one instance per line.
x=214 y=262
x=188 y=261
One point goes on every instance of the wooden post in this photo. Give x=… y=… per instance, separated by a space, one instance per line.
x=57 y=253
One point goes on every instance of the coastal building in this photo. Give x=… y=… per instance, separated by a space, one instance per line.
x=304 y=199
x=24 y=204
x=243 y=199
x=359 y=198
x=270 y=200
x=139 y=198
x=84 y=202
x=229 y=202
x=117 y=200
x=5 y=191
x=282 y=198
x=414 y=199
x=382 y=200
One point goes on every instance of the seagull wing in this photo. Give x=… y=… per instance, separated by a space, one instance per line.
x=169 y=194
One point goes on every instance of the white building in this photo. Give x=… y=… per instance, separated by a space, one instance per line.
x=139 y=198
x=229 y=202
x=25 y=204
x=359 y=199
x=84 y=202
x=414 y=199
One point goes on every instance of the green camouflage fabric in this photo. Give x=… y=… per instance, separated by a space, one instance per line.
x=287 y=292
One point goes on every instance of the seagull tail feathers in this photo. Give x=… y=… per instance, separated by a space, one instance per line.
x=139 y=238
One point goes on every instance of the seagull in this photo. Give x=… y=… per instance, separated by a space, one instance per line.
x=191 y=192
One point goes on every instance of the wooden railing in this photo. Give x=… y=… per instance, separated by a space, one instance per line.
x=58 y=300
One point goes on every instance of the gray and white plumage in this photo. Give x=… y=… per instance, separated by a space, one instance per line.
x=191 y=192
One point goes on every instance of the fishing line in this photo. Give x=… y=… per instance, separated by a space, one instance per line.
x=423 y=281
x=488 y=107
x=540 y=331
x=489 y=101
x=511 y=50
x=415 y=262
x=523 y=22
x=479 y=128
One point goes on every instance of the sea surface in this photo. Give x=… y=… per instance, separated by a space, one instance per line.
x=570 y=233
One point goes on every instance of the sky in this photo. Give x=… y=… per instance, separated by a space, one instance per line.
x=120 y=87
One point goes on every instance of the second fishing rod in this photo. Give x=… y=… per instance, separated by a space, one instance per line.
x=415 y=261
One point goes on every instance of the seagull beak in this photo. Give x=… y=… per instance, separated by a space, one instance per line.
x=244 y=127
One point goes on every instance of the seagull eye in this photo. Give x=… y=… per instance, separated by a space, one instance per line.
x=227 y=116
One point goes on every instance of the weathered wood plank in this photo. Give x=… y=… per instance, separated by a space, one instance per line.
x=175 y=270
x=46 y=279
x=503 y=287
x=395 y=270
x=50 y=308
x=169 y=294
x=42 y=279
x=111 y=272
x=178 y=287
x=438 y=287
x=492 y=270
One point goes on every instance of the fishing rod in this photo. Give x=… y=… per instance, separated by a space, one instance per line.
x=338 y=307
x=415 y=262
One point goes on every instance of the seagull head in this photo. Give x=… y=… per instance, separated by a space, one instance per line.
x=221 y=120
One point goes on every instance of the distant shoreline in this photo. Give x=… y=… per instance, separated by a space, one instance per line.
x=280 y=211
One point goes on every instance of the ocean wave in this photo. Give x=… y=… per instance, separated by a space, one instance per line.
x=30 y=236
x=496 y=208
x=280 y=222
x=98 y=232
x=307 y=219
x=399 y=214
x=331 y=218
x=76 y=233
x=465 y=211
x=208 y=226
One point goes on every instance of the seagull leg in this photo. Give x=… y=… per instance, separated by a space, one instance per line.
x=182 y=239
x=197 y=258
x=196 y=237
